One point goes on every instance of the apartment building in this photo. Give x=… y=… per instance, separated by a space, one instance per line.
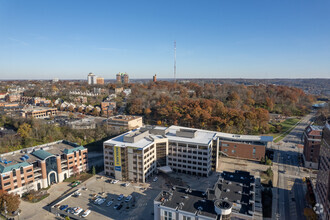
x=323 y=176
x=137 y=154
x=125 y=122
x=232 y=197
x=39 y=112
x=312 y=142
x=41 y=166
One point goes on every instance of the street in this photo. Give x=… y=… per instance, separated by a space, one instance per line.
x=289 y=197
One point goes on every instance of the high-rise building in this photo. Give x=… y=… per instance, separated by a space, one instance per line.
x=122 y=78
x=323 y=176
x=154 y=78
x=91 y=79
x=312 y=143
x=126 y=78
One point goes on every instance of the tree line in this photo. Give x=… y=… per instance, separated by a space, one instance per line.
x=228 y=108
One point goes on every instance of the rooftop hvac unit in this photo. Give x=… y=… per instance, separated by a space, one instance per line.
x=229 y=183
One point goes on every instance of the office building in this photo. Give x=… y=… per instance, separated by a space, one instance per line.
x=232 y=197
x=312 y=142
x=38 y=112
x=40 y=166
x=323 y=176
x=125 y=122
x=136 y=155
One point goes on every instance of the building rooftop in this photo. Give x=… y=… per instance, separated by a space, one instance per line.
x=124 y=117
x=29 y=155
x=196 y=136
x=236 y=188
x=36 y=109
x=184 y=199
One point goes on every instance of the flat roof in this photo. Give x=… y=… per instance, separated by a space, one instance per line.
x=233 y=187
x=233 y=137
x=189 y=201
x=201 y=136
x=124 y=117
x=144 y=142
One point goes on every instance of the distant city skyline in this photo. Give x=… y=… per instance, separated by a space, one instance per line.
x=215 y=39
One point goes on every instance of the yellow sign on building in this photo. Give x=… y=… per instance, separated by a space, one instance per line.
x=117 y=154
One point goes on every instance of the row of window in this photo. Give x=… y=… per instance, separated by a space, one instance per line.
x=188 y=167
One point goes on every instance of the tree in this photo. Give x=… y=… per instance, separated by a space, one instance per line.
x=10 y=200
x=93 y=170
x=24 y=130
x=269 y=172
x=75 y=170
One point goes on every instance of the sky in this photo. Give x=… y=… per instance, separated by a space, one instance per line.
x=67 y=39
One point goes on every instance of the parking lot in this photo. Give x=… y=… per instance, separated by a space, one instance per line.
x=141 y=203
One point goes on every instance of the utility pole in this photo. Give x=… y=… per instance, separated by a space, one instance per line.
x=174 y=61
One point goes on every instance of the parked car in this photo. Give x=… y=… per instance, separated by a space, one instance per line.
x=128 y=198
x=120 y=197
x=101 y=201
x=77 y=194
x=75 y=183
x=78 y=211
x=155 y=179
x=116 y=206
x=114 y=181
x=109 y=203
x=86 y=213
x=126 y=184
x=62 y=207
x=119 y=207
x=69 y=210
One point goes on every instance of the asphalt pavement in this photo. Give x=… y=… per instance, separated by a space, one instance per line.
x=289 y=199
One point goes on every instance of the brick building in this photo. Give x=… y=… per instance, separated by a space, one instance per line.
x=323 y=176
x=312 y=142
x=40 y=166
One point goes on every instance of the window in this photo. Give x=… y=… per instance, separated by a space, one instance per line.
x=254 y=150
x=29 y=176
x=224 y=145
x=186 y=218
x=6 y=184
x=233 y=151
x=167 y=215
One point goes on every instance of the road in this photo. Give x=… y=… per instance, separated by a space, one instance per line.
x=289 y=201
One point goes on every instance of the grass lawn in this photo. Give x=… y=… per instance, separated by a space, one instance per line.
x=287 y=126
x=81 y=177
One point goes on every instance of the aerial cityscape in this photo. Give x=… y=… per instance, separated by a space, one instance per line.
x=165 y=110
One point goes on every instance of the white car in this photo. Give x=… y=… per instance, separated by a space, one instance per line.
x=78 y=211
x=109 y=203
x=101 y=201
x=97 y=200
x=77 y=194
x=126 y=184
x=128 y=198
x=120 y=197
x=114 y=181
x=86 y=213
x=155 y=179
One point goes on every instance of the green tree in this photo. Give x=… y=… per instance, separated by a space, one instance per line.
x=24 y=130
x=93 y=170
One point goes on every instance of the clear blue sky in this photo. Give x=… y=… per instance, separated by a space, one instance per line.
x=222 y=38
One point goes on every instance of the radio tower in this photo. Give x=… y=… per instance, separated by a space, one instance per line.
x=175 y=61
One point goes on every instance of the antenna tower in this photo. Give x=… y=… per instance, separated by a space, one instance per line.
x=174 y=61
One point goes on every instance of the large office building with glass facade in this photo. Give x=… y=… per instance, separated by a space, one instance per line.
x=41 y=166
x=136 y=155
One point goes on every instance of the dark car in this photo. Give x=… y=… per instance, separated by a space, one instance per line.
x=62 y=207
x=119 y=207
x=69 y=210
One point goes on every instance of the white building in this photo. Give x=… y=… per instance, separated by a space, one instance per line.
x=91 y=78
